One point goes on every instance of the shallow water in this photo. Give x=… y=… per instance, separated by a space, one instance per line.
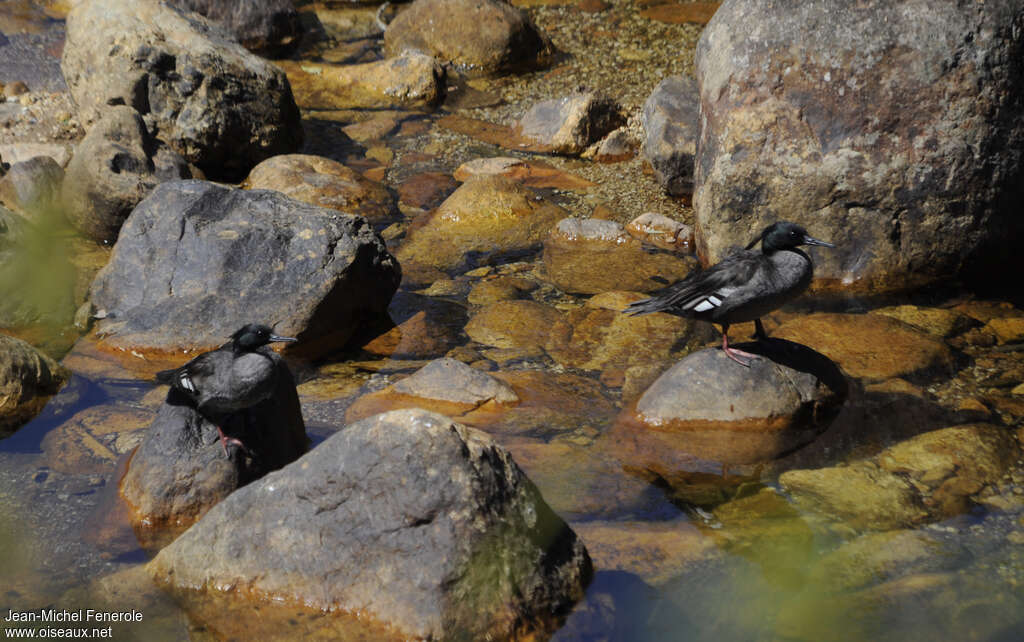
x=668 y=565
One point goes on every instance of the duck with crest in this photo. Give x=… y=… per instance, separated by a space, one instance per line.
x=235 y=376
x=743 y=286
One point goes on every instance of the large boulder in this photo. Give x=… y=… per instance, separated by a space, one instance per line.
x=887 y=128
x=671 y=122
x=270 y=27
x=27 y=379
x=196 y=261
x=709 y=407
x=181 y=470
x=485 y=36
x=221 y=107
x=112 y=170
x=406 y=519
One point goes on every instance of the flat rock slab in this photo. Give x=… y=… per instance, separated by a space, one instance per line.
x=405 y=519
x=451 y=380
x=406 y=81
x=195 y=261
x=712 y=408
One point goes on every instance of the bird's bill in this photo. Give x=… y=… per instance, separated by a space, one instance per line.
x=810 y=240
x=275 y=338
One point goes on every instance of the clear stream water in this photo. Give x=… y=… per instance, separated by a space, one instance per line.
x=754 y=569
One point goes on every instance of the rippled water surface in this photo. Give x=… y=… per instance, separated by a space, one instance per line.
x=728 y=557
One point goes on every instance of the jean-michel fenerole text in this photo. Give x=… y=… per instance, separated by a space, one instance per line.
x=77 y=615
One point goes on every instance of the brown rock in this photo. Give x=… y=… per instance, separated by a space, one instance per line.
x=373 y=129
x=936 y=321
x=426 y=328
x=408 y=80
x=502 y=288
x=513 y=324
x=1007 y=329
x=537 y=174
x=27 y=379
x=486 y=217
x=656 y=551
x=682 y=13
x=869 y=345
x=324 y=182
x=588 y=256
x=426 y=190
x=568 y=125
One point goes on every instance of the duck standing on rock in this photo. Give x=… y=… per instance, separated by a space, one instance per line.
x=235 y=376
x=744 y=286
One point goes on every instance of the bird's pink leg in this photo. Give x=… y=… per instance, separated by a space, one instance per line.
x=733 y=353
x=225 y=440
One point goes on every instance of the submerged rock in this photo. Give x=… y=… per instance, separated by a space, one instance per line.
x=589 y=256
x=195 y=261
x=326 y=183
x=524 y=325
x=221 y=107
x=568 y=125
x=405 y=519
x=671 y=122
x=928 y=477
x=407 y=80
x=488 y=217
x=180 y=470
x=863 y=121
x=483 y=36
x=661 y=231
x=112 y=170
x=27 y=379
x=711 y=408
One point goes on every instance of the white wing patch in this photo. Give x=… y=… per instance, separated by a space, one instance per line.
x=709 y=302
x=186 y=382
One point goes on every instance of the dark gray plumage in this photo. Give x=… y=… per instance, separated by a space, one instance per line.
x=743 y=286
x=235 y=376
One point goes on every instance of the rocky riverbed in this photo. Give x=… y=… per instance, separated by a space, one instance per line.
x=450 y=218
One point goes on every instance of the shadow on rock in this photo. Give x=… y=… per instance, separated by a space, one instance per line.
x=181 y=470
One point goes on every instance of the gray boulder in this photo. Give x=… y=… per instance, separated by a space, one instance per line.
x=712 y=408
x=450 y=380
x=482 y=36
x=27 y=380
x=112 y=170
x=32 y=187
x=671 y=122
x=568 y=125
x=269 y=27
x=180 y=469
x=195 y=261
x=890 y=129
x=219 y=106
x=406 y=519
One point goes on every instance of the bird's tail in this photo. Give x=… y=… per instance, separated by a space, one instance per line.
x=165 y=376
x=646 y=306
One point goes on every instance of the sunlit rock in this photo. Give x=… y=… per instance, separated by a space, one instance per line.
x=221 y=107
x=433 y=513
x=32 y=187
x=711 y=408
x=487 y=217
x=513 y=324
x=326 y=183
x=870 y=345
x=476 y=36
x=568 y=125
x=661 y=231
x=268 y=28
x=588 y=256
x=940 y=322
x=865 y=127
x=502 y=288
x=532 y=173
x=195 y=261
x=407 y=80
x=27 y=379
x=92 y=440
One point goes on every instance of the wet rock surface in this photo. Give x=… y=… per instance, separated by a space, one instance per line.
x=326 y=183
x=32 y=187
x=112 y=170
x=670 y=119
x=27 y=379
x=589 y=256
x=487 y=218
x=219 y=106
x=730 y=413
x=464 y=540
x=181 y=470
x=487 y=36
x=870 y=138
x=193 y=247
